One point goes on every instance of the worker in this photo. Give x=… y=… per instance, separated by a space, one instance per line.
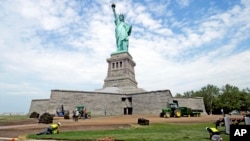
x=219 y=122
x=52 y=129
x=76 y=115
x=85 y=113
x=214 y=134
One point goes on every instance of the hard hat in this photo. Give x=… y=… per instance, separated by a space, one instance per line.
x=59 y=123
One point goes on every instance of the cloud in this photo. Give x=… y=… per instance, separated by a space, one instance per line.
x=183 y=3
x=48 y=45
x=213 y=39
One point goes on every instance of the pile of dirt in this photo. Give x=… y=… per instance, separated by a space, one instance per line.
x=46 y=118
x=34 y=115
x=66 y=114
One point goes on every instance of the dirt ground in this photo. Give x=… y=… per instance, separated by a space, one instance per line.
x=31 y=126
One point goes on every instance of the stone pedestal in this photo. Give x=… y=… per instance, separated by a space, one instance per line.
x=120 y=71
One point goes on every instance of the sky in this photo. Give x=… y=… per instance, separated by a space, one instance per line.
x=180 y=45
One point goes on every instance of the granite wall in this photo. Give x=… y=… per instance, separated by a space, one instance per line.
x=101 y=103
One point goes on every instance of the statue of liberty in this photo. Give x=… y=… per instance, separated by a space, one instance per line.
x=122 y=31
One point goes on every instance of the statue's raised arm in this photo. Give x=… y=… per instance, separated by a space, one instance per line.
x=122 y=31
x=113 y=7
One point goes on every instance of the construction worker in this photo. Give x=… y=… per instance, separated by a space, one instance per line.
x=214 y=134
x=52 y=129
x=76 y=115
x=85 y=113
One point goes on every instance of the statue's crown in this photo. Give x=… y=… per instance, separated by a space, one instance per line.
x=121 y=14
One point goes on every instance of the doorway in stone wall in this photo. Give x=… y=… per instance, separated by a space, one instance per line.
x=128 y=111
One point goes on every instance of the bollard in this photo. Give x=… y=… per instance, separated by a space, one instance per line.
x=227 y=122
x=247 y=120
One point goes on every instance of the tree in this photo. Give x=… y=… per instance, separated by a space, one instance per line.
x=228 y=97
x=185 y=94
x=211 y=92
x=188 y=94
x=179 y=95
x=231 y=98
x=246 y=103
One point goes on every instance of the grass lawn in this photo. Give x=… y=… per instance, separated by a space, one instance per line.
x=153 y=132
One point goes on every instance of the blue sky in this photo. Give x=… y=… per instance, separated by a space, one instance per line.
x=180 y=45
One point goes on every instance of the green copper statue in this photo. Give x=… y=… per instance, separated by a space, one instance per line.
x=122 y=31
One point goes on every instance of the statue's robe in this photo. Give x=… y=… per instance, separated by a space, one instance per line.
x=122 y=31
